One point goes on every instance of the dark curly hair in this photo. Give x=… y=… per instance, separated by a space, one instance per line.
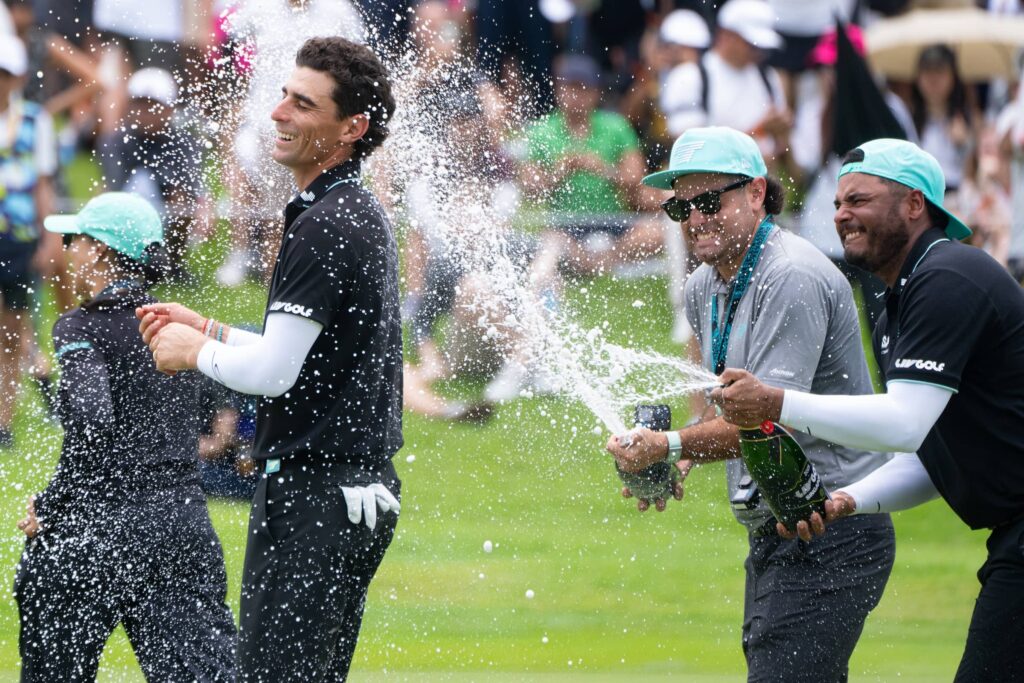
x=361 y=85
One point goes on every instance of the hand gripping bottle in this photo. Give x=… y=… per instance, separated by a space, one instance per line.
x=657 y=480
x=786 y=478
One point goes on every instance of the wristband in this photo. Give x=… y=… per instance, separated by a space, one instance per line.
x=675 y=448
x=208 y=327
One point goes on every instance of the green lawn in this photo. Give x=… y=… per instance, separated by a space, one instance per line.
x=616 y=594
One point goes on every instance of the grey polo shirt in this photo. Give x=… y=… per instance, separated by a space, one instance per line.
x=795 y=328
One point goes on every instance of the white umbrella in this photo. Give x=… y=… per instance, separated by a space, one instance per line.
x=986 y=45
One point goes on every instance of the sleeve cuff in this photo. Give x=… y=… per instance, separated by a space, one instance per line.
x=204 y=361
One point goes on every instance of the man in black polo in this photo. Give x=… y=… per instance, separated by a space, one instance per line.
x=327 y=369
x=951 y=347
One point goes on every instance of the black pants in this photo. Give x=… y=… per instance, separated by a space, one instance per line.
x=995 y=640
x=156 y=568
x=307 y=571
x=806 y=603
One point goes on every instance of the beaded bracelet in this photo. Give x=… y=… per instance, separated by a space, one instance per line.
x=208 y=327
x=220 y=332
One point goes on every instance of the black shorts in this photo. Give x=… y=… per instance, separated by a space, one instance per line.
x=16 y=279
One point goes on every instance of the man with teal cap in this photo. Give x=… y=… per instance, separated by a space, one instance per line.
x=769 y=301
x=951 y=348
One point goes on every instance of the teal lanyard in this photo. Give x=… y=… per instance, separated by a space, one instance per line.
x=720 y=334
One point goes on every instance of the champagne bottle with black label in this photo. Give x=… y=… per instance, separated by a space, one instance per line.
x=786 y=478
x=657 y=480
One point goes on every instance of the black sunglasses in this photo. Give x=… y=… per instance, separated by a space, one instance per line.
x=708 y=203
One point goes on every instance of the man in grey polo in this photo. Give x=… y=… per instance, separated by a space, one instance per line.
x=768 y=301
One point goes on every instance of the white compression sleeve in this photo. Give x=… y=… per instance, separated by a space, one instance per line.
x=900 y=484
x=239 y=337
x=268 y=366
x=898 y=420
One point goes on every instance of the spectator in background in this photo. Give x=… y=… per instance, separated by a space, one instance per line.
x=680 y=39
x=26 y=169
x=801 y=23
x=731 y=85
x=152 y=155
x=944 y=116
x=1010 y=131
x=514 y=46
x=584 y=166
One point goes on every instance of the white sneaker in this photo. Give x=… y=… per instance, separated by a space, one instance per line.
x=507 y=384
x=232 y=272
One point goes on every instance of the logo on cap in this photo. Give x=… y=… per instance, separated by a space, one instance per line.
x=685 y=151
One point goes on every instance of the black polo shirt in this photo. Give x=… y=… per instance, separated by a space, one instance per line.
x=338 y=265
x=955 y=319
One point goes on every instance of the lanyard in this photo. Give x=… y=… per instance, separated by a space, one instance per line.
x=720 y=334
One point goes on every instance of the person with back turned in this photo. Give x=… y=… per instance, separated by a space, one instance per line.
x=327 y=369
x=121 y=534
x=951 y=347
x=767 y=300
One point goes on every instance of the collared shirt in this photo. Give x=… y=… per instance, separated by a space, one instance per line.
x=338 y=265
x=796 y=328
x=955 y=319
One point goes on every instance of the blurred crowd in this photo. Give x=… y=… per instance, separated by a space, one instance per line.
x=565 y=106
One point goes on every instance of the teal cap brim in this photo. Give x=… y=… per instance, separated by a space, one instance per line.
x=955 y=229
x=66 y=224
x=663 y=180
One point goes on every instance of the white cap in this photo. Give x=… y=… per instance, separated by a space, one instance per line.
x=753 y=20
x=13 y=58
x=685 y=27
x=153 y=84
x=557 y=11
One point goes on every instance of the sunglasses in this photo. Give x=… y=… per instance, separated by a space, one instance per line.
x=708 y=203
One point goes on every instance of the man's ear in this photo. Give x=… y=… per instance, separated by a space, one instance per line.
x=758 y=191
x=354 y=128
x=917 y=206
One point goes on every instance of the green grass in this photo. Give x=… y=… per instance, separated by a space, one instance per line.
x=617 y=594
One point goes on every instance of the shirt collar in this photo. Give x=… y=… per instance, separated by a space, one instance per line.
x=345 y=171
x=925 y=242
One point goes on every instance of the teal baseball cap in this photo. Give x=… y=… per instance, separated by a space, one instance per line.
x=715 y=149
x=123 y=221
x=907 y=164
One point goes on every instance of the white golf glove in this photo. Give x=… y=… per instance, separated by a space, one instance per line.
x=362 y=502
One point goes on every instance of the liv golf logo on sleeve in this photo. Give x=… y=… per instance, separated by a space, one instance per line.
x=291 y=308
x=904 y=363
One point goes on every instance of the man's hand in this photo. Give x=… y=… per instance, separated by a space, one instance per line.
x=745 y=400
x=155 y=317
x=841 y=505
x=642 y=504
x=176 y=347
x=638 y=449
x=29 y=525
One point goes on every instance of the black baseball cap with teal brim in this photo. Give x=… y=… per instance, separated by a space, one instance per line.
x=714 y=149
x=907 y=164
x=123 y=221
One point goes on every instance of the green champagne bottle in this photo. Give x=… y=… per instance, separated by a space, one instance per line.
x=787 y=479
